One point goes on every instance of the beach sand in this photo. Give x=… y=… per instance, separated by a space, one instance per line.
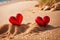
x=51 y=32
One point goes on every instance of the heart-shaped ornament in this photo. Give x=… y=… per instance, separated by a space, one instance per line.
x=42 y=21
x=16 y=20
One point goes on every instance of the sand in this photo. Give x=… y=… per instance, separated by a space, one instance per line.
x=33 y=12
x=12 y=9
x=29 y=13
x=51 y=33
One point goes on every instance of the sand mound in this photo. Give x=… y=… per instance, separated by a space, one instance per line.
x=50 y=33
x=53 y=34
x=8 y=29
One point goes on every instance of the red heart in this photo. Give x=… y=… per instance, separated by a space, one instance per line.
x=16 y=20
x=42 y=21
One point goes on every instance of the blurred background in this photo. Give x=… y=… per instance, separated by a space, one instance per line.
x=8 y=1
x=13 y=0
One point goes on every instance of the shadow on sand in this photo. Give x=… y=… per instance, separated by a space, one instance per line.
x=24 y=27
x=50 y=27
x=43 y=29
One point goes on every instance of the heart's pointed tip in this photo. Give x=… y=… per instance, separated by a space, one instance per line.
x=18 y=24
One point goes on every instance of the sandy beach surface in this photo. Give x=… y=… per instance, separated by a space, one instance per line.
x=12 y=9
x=49 y=34
x=33 y=12
x=29 y=13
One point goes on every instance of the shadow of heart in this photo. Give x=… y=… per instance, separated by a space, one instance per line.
x=50 y=27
